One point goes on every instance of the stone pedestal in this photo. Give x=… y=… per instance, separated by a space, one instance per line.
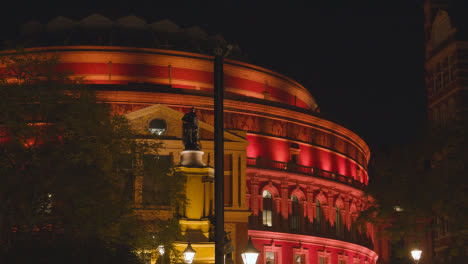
x=192 y=158
x=194 y=223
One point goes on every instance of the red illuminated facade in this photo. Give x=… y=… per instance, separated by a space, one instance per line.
x=304 y=174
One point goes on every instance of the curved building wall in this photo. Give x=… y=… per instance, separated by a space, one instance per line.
x=299 y=157
x=113 y=65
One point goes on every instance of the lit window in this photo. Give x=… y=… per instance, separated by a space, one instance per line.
x=267 y=208
x=299 y=259
x=45 y=204
x=270 y=257
x=157 y=126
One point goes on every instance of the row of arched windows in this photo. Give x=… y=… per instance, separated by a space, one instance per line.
x=294 y=217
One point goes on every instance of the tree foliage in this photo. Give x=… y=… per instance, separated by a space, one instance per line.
x=418 y=183
x=61 y=163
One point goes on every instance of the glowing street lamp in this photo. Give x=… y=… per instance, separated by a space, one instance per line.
x=161 y=250
x=416 y=254
x=189 y=253
x=250 y=253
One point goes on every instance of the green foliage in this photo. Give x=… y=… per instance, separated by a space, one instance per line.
x=61 y=157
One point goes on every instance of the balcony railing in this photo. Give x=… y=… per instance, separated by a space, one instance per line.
x=308 y=228
x=301 y=169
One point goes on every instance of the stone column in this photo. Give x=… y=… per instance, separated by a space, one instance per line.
x=331 y=207
x=347 y=205
x=235 y=181
x=243 y=186
x=284 y=199
x=254 y=195
x=312 y=205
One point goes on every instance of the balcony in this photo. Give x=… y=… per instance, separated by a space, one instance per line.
x=301 y=169
x=312 y=228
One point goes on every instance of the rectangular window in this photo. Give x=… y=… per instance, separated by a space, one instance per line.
x=270 y=257
x=294 y=158
x=321 y=260
x=267 y=218
x=299 y=259
x=267 y=212
x=156 y=169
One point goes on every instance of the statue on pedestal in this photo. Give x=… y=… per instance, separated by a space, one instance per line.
x=190 y=130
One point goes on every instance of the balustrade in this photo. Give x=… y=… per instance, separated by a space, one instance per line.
x=353 y=235
x=301 y=169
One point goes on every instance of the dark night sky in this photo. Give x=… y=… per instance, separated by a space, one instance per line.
x=361 y=60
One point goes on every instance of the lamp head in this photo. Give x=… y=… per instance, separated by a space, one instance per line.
x=250 y=253
x=416 y=254
x=189 y=253
x=161 y=250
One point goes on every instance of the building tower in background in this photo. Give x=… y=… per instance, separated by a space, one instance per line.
x=446 y=65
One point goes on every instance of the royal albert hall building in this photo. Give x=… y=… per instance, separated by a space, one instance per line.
x=294 y=180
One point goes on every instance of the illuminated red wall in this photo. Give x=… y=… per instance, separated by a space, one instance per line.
x=237 y=85
x=279 y=150
x=284 y=249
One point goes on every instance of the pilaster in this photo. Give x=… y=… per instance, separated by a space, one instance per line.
x=331 y=207
x=284 y=199
x=254 y=195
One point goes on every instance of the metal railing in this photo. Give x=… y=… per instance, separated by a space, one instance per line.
x=301 y=169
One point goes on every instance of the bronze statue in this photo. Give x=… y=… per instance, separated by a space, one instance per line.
x=190 y=130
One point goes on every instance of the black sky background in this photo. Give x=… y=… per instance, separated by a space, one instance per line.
x=361 y=60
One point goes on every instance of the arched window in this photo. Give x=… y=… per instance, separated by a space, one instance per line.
x=294 y=220
x=267 y=208
x=318 y=216
x=441 y=28
x=157 y=126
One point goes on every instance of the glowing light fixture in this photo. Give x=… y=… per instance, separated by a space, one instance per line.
x=416 y=254
x=250 y=253
x=161 y=250
x=189 y=253
x=157 y=126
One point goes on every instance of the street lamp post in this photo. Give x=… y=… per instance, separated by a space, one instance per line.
x=250 y=253
x=220 y=53
x=416 y=254
x=189 y=253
